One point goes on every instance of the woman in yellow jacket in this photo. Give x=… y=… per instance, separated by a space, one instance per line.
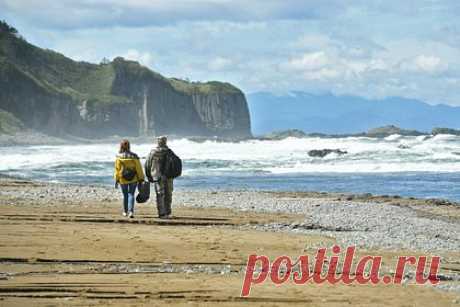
x=128 y=173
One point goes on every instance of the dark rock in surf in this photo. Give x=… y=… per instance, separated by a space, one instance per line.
x=320 y=153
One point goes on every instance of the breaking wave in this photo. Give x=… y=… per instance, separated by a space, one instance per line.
x=253 y=160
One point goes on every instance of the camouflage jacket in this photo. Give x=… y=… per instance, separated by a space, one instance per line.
x=155 y=163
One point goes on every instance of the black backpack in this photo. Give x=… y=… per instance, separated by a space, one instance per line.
x=172 y=167
x=128 y=173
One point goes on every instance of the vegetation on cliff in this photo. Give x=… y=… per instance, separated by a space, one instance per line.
x=6 y=28
x=83 y=98
x=9 y=124
x=206 y=88
x=82 y=80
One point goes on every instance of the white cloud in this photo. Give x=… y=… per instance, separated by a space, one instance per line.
x=378 y=64
x=313 y=39
x=145 y=58
x=309 y=61
x=421 y=63
x=321 y=74
x=429 y=63
x=220 y=63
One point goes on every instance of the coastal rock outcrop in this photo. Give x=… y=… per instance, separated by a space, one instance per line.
x=379 y=132
x=436 y=131
x=280 y=135
x=390 y=130
x=53 y=94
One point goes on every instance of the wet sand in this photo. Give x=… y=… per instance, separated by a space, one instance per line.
x=82 y=252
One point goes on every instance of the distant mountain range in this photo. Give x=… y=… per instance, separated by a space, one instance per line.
x=332 y=114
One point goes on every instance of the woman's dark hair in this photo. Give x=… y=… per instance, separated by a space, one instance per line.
x=124 y=146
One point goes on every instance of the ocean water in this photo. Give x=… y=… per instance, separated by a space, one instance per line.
x=409 y=166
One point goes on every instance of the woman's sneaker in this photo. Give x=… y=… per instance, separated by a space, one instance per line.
x=125 y=214
x=131 y=215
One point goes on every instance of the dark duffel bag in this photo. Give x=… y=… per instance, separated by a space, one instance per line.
x=144 y=192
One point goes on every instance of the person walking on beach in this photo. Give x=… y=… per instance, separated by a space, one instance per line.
x=128 y=173
x=161 y=167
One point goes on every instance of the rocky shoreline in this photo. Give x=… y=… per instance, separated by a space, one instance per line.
x=353 y=219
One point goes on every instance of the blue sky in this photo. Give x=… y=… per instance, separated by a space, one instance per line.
x=375 y=49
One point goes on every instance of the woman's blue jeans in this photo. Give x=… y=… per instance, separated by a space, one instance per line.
x=128 y=196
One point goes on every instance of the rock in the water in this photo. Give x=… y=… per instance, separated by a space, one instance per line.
x=385 y=131
x=279 y=135
x=403 y=146
x=436 y=131
x=324 y=152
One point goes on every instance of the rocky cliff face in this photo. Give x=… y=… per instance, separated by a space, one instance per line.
x=223 y=112
x=55 y=95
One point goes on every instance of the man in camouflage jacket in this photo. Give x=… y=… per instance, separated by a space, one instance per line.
x=154 y=170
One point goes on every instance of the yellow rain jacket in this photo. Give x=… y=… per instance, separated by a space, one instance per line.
x=128 y=160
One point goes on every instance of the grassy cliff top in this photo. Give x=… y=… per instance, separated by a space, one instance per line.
x=203 y=88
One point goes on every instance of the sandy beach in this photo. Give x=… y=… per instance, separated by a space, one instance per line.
x=63 y=244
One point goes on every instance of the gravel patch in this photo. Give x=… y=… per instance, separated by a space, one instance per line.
x=372 y=225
